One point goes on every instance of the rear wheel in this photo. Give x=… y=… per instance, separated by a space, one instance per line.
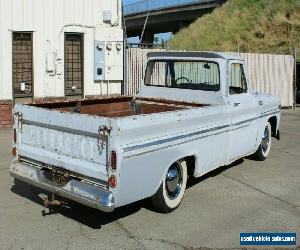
x=171 y=191
x=264 y=148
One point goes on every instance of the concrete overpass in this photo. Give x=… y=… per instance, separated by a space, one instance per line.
x=163 y=16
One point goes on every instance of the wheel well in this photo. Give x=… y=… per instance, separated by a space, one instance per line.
x=190 y=163
x=273 y=122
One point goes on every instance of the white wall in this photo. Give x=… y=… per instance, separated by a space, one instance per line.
x=48 y=20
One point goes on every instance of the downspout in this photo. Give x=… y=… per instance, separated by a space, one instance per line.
x=119 y=6
x=124 y=88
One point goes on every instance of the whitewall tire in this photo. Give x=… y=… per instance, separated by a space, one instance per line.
x=264 y=148
x=171 y=191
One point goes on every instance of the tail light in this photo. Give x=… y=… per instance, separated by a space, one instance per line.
x=15 y=136
x=14 y=152
x=113 y=160
x=112 y=181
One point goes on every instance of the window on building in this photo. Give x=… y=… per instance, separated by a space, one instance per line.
x=73 y=64
x=22 y=63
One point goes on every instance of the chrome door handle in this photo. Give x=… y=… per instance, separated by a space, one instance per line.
x=236 y=104
x=260 y=103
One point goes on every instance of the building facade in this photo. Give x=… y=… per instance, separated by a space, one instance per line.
x=58 y=50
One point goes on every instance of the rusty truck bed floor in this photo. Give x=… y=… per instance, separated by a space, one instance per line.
x=118 y=106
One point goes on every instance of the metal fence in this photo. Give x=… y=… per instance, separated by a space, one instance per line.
x=272 y=74
x=268 y=73
x=136 y=65
x=147 y=5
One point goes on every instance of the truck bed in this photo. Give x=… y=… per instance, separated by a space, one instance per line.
x=76 y=136
x=118 y=106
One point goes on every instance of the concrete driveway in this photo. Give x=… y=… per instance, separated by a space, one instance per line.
x=245 y=197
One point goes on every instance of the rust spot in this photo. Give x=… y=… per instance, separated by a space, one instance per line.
x=103 y=132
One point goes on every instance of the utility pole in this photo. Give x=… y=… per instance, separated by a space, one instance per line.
x=295 y=76
x=144 y=28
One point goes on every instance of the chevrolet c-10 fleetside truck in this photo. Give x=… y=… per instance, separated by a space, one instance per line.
x=194 y=113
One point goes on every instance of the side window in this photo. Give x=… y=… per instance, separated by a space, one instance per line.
x=238 y=83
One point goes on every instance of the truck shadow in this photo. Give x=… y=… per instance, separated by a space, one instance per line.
x=194 y=181
x=85 y=215
x=93 y=218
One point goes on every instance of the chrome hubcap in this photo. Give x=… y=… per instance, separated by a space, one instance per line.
x=265 y=140
x=174 y=180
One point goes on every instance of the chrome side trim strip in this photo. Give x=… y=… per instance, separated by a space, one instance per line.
x=245 y=121
x=264 y=115
x=270 y=111
x=163 y=141
x=61 y=129
x=255 y=118
x=195 y=139
x=167 y=140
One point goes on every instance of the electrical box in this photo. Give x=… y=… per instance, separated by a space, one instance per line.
x=99 y=61
x=114 y=61
x=109 y=51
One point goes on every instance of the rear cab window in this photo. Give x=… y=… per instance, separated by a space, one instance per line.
x=199 y=75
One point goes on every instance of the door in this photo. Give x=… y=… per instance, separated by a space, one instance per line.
x=73 y=64
x=243 y=106
x=22 y=65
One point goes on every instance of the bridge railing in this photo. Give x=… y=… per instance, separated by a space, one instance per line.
x=150 y=5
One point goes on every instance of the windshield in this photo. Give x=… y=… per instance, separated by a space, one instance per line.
x=200 y=75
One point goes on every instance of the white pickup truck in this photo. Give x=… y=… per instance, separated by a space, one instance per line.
x=194 y=113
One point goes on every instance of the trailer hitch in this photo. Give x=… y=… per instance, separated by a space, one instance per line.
x=51 y=204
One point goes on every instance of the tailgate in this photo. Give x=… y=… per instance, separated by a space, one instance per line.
x=67 y=140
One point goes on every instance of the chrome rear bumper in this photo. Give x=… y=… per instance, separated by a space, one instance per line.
x=92 y=196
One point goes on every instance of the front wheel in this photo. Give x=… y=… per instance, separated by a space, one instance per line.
x=170 y=193
x=264 y=148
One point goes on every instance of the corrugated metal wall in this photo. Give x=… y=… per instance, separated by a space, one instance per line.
x=272 y=74
x=136 y=65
